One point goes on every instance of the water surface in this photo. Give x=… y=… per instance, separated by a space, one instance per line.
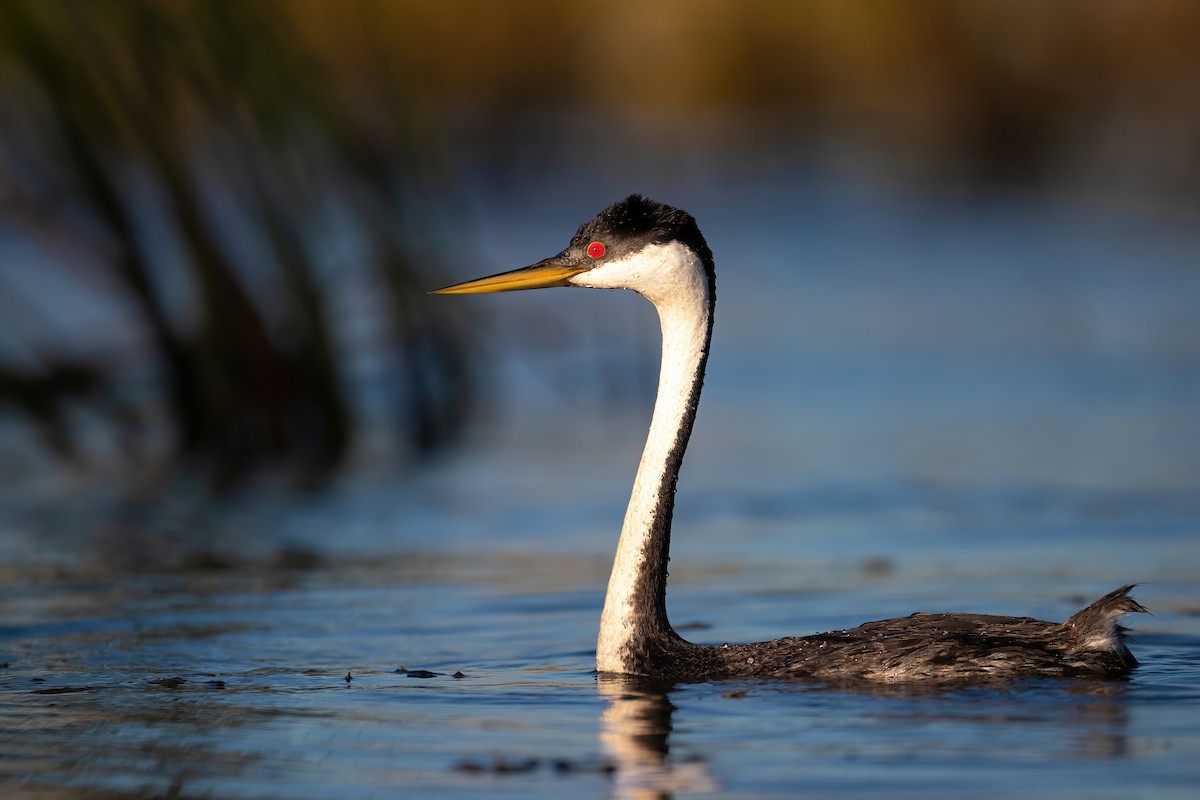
x=908 y=408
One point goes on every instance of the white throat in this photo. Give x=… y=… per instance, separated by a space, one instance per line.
x=673 y=278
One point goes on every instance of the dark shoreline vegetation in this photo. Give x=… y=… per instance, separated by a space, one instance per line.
x=186 y=162
x=186 y=166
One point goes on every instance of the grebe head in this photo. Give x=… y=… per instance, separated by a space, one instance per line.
x=636 y=243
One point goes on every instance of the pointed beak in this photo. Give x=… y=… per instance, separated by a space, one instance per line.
x=551 y=272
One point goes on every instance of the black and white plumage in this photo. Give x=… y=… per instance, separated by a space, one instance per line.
x=659 y=252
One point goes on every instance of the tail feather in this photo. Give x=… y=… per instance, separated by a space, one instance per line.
x=1096 y=627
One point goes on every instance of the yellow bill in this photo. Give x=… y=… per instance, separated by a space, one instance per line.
x=538 y=276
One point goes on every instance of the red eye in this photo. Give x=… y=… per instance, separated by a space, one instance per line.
x=595 y=249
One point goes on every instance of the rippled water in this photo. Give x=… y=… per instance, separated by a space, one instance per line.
x=928 y=409
x=284 y=685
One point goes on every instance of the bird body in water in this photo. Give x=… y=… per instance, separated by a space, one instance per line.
x=659 y=252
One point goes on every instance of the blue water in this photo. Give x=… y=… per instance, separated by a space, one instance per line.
x=912 y=404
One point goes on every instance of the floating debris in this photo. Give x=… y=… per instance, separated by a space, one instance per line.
x=499 y=766
x=878 y=566
x=300 y=559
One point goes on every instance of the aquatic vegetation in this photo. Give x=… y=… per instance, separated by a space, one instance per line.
x=188 y=168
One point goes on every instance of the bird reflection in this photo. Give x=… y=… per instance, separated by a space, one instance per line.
x=635 y=730
x=1083 y=719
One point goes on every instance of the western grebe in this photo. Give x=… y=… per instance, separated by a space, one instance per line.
x=659 y=252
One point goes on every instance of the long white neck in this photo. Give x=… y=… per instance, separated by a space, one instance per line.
x=635 y=606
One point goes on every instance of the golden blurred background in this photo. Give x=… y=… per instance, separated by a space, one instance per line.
x=187 y=188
